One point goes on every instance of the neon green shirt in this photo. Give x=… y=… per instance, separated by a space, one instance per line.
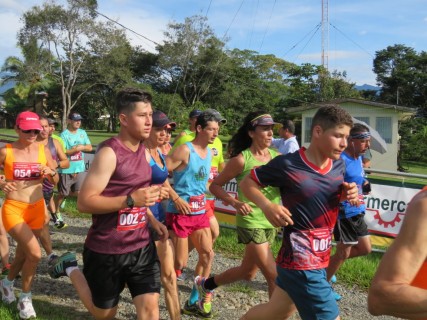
x=54 y=136
x=256 y=219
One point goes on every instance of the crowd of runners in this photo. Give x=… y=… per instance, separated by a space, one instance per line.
x=151 y=204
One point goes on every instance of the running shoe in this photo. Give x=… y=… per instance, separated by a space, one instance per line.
x=52 y=260
x=63 y=262
x=7 y=294
x=205 y=297
x=334 y=279
x=25 y=307
x=59 y=225
x=182 y=276
x=336 y=295
x=5 y=270
x=193 y=310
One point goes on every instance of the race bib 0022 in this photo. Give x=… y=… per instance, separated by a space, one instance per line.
x=131 y=218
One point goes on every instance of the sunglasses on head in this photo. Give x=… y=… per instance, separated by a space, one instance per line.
x=32 y=130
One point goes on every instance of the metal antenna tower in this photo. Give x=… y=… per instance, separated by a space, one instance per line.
x=325 y=33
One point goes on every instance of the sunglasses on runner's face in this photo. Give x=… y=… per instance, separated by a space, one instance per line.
x=29 y=131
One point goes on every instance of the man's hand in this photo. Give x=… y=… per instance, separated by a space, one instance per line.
x=242 y=208
x=145 y=197
x=5 y=186
x=278 y=215
x=161 y=229
x=350 y=193
x=164 y=192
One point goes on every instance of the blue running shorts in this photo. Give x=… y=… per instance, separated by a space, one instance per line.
x=310 y=291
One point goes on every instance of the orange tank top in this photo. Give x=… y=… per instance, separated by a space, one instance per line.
x=23 y=171
x=420 y=279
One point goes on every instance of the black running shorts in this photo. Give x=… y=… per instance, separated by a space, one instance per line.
x=349 y=230
x=107 y=274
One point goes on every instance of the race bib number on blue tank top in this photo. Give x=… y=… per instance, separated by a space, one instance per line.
x=197 y=203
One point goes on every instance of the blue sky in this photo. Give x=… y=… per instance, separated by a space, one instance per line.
x=284 y=28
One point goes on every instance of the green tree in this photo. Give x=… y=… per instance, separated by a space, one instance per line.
x=28 y=76
x=67 y=32
x=401 y=72
x=190 y=59
x=108 y=67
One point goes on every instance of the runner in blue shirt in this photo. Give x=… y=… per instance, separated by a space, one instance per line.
x=351 y=231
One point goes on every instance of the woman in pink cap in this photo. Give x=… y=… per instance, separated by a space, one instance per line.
x=26 y=163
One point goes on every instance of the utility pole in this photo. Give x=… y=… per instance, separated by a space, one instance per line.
x=325 y=33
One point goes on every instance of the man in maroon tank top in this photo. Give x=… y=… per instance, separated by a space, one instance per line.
x=118 y=251
x=399 y=287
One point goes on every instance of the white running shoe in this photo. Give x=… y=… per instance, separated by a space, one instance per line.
x=7 y=294
x=25 y=307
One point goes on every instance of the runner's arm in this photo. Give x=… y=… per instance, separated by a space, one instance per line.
x=277 y=214
x=90 y=199
x=63 y=162
x=178 y=159
x=233 y=168
x=391 y=292
x=49 y=171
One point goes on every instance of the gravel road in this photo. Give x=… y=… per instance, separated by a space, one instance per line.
x=230 y=302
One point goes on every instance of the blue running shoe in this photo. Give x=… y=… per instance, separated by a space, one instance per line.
x=61 y=263
x=334 y=279
x=336 y=295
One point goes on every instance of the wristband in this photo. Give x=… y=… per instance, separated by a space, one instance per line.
x=175 y=199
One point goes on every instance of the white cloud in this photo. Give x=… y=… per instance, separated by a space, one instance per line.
x=12 y=5
x=9 y=27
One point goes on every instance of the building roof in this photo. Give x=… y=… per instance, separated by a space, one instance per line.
x=301 y=109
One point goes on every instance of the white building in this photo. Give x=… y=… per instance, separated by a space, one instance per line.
x=382 y=117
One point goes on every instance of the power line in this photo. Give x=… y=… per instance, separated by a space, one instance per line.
x=118 y=23
x=309 y=40
x=268 y=26
x=348 y=38
x=234 y=18
x=315 y=29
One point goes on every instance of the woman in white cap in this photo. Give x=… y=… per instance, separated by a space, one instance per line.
x=26 y=163
x=248 y=148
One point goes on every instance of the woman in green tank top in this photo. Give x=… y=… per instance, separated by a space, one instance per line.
x=249 y=148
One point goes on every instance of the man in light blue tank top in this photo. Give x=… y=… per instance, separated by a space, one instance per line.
x=186 y=215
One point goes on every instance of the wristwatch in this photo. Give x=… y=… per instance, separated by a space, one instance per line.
x=129 y=201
